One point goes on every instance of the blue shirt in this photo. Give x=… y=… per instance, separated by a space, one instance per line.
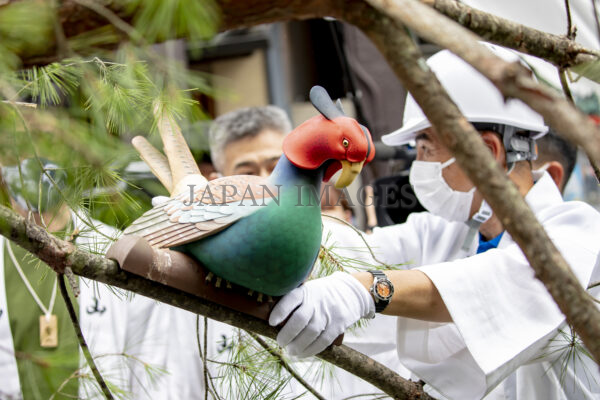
x=490 y=244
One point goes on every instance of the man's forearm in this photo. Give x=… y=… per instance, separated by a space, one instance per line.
x=415 y=295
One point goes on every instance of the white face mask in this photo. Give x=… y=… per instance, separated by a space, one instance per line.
x=434 y=193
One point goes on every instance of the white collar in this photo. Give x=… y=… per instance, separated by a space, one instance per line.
x=544 y=193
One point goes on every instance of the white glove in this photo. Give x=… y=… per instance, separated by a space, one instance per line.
x=324 y=309
x=158 y=200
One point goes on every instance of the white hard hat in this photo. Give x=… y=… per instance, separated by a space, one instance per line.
x=476 y=97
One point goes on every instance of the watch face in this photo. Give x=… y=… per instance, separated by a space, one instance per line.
x=383 y=289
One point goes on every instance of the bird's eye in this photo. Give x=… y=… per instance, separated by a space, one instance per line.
x=345 y=142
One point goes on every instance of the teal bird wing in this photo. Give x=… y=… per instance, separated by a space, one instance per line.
x=214 y=207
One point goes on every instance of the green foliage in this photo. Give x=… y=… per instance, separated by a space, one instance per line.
x=158 y=20
x=81 y=113
x=95 y=41
x=251 y=372
x=90 y=388
x=93 y=107
x=49 y=84
x=333 y=257
x=24 y=28
x=8 y=59
x=590 y=70
x=566 y=351
x=589 y=104
x=117 y=95
x=91 y=104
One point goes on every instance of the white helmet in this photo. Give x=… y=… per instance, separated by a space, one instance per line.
x=480 y=102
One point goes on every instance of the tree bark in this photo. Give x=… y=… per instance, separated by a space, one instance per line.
x=75 y=19
x=557 y=49
x=472 y=155
x=512 y=79
x=59 y=254
x=454 y=131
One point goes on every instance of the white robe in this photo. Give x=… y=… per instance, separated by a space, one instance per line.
x=507 y=329
x=10 y=387
x=128 y=333
x=165 y=337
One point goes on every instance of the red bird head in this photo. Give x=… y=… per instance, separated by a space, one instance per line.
x=331 y=137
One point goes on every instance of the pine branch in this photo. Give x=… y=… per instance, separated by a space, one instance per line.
x=596 y=21
x=562 y=75
x=595 y=168
x=285 y=365
x=78 y=18
x=62 y=45
x=360 y=234
x=384 y=26
x=557 y=49
x=113 y=19
x=512 y=79
x=392 y=40
x=84 y=347
x=571 y=30
x=59 y=254
x=204 y=357
x=204 y=363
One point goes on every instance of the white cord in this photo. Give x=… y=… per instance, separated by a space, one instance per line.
x=47 y=311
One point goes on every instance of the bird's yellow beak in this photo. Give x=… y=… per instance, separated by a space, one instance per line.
x=349 y=171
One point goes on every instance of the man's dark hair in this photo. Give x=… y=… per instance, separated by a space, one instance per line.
x=552 y=147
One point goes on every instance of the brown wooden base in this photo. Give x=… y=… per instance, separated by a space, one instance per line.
x=177 y=270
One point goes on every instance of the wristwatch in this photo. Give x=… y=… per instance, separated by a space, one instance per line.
x=381 y=289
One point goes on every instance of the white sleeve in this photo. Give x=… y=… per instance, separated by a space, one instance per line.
x=377 y=339
x=393 y=244
x=502 y=314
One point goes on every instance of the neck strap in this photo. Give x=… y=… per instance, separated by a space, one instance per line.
x=47 y=311
x=482 y=215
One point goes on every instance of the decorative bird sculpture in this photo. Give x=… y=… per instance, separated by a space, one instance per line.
x=263 y=234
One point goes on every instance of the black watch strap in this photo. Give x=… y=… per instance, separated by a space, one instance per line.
x=381 y=302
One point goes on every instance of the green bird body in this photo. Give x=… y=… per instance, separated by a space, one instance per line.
x=273 y=249
x=263 y=233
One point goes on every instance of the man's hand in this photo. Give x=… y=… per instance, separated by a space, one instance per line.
x=320 y=310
